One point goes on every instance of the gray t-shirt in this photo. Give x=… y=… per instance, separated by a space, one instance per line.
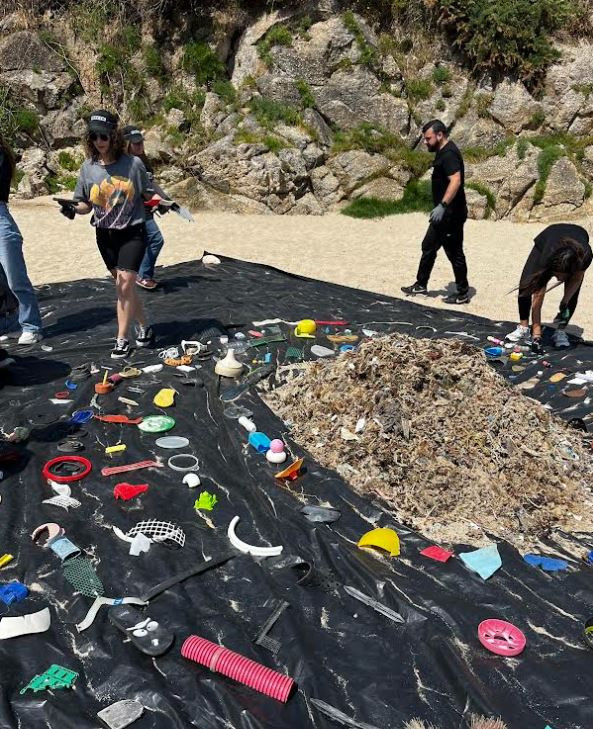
x=115 y=191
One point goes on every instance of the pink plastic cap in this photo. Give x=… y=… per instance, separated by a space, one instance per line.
x=501 y=637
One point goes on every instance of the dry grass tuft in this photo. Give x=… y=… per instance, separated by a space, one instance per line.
x=447 y=443
x=481 y=722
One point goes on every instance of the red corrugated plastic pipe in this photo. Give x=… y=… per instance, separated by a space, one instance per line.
x=222 y=660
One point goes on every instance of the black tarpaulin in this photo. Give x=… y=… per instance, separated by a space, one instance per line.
x=338 y=650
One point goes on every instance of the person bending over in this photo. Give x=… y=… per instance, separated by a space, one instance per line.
x=13 y=261
x=562 y=251
x=154 y=237
x=448 y=216
x=114 y=185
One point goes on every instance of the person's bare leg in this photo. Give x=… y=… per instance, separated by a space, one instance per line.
x=129 y=306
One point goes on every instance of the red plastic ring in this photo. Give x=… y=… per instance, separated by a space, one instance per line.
x=47 y=474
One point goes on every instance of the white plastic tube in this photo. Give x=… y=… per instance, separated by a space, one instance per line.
x=248 y=548
x=248 y=424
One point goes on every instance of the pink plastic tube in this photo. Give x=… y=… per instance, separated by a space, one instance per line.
x=222 y=660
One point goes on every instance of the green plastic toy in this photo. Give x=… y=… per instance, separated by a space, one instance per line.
x=205 y=501
x=56 y=677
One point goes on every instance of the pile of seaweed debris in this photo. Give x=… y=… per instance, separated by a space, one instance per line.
x=447 y=444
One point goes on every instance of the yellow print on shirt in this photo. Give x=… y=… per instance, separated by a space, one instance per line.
x=111 y=192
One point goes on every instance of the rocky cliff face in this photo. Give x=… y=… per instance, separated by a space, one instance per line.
x=294 y=111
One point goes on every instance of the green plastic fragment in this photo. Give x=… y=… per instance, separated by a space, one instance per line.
x=205 y=501
x=262 y=341
x=55 y=677
x=294 y=354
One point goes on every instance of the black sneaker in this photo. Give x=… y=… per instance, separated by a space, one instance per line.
x=456 y=299
x=121 y=349
x=144 y=336
x=415 y=290
x=536 y=345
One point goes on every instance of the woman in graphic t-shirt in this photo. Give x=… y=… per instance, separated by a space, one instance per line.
x=113 y=185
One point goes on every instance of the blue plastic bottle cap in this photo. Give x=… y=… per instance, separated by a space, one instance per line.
x=260 y=442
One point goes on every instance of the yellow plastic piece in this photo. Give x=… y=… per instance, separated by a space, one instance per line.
x=516 y=356
x=306 y=328
x=558 y=377
x=116 y=448
x=164 y=398
x=5 y=559
x=383 y=538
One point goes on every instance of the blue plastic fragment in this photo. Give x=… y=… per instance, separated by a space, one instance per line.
x=268 y=358
x=13 y=592
x=81 y=416
x=589 y=558
x=260 y=442
x=347 y=348
x=71 y=385
x=485 y=561
x=548 y=564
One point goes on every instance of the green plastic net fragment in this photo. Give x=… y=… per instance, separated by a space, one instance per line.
x=293 y=354
x=56 y=677
x=81 y=574
x=205 y=501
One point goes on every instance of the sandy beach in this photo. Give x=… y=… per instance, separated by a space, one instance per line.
x=376 y=255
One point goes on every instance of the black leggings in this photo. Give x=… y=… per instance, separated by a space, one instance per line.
x=531 y=268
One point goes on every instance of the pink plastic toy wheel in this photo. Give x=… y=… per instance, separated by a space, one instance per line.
x=501 y=637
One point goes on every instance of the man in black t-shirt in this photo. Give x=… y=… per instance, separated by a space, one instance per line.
x=448 y=216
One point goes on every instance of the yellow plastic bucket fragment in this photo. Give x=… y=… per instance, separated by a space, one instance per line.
x=164 y=398
x=383 y=538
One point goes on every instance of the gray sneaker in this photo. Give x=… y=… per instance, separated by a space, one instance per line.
x=560 y=339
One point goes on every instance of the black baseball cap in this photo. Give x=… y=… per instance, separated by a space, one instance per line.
x=132 y=133
x=102 y=121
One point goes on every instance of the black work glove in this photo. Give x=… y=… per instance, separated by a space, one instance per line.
x=68 y=211
x=536 y=345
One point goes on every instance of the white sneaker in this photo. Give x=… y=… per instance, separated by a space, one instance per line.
x=30 y=337
x=560 y=339
x=519 y=334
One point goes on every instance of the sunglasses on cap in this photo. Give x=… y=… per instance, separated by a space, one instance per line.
x=94 y=136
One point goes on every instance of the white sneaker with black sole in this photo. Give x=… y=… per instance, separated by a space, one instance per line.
x=144 y=336
x=520 y=334
x=121 y=349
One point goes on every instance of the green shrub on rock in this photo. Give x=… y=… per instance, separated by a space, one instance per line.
x=506 y=36
x=201 y=61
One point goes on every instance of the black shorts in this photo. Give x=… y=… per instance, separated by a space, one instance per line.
x=122 y=249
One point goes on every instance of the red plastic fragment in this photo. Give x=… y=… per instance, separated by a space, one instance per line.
x=255 y=333
x=127 y=491
x=118 y=419
x=438 y=553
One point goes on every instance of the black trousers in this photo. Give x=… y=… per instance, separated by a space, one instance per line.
x=533 y=266
x=449 y=235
